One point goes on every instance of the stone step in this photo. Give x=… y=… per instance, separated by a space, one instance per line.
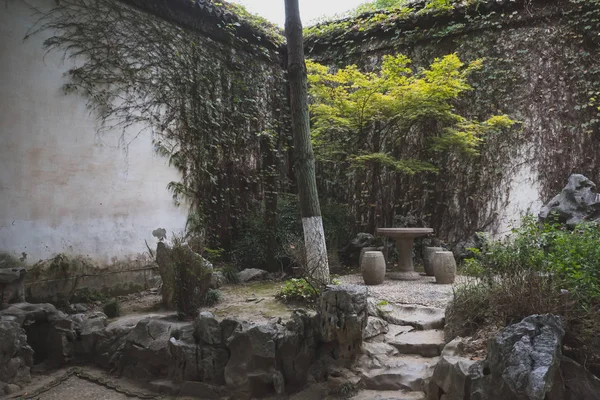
x=428 y=343
x=414 y=315
x=397 y=373
x=388 y=395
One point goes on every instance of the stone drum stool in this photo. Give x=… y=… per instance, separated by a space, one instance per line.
x=373 y=265
x=444 y=267
x=428 y=253
x=362 y=254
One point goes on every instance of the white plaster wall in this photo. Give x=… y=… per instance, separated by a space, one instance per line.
x=524 y=197
x=63 y=188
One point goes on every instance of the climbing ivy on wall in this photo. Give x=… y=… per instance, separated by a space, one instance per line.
x=538 y=67
x=364 y=121
x=215 y=108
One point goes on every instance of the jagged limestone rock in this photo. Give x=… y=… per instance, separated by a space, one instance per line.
x=577 y=202
x=343 y=317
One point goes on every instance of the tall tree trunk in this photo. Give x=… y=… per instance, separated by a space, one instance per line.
x=312 y=223
x=270 y=196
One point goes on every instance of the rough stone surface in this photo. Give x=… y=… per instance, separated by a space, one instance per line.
x=398 y=374
x=576 y=203
x=372 y=308
x=373 y=349
x=523 y=363
x=350 y=253
x=191 y=267
x=252 y=367
x=343 y=318
x=217 y=280
x=49 y=331
x=453 y=376
x=527 y=355
x=424 y=343
x=16 y=356
x=418 y=316
x=375 y=326
x=576 y=381
x=253 y=274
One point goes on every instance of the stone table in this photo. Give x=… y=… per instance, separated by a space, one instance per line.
x=405 y=238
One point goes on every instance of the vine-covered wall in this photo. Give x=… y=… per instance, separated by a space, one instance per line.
x=540 y=67
x=192 y=81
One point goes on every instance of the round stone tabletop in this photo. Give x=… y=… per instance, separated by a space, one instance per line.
x=404 y=232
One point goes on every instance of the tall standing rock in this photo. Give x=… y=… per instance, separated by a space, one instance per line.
x=577 y=202
x=343 y=317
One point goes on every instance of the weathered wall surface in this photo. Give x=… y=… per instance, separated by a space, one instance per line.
x=63 y=187
x=538 y=68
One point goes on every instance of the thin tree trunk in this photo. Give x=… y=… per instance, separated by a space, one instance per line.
x=312 y=223
x=270 y=193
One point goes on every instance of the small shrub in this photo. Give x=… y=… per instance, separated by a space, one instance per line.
x=210 y=298
x=472 y=267
x=112 y=309
x=231 y=274
x=214 y=255
x=298 y=289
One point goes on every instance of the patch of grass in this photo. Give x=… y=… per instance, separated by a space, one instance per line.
x=382 y=303
x=211 y=298
x=298 y=290
x=231 y=274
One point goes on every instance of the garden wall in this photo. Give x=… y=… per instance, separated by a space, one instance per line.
x=74 y=184
x=538 y=68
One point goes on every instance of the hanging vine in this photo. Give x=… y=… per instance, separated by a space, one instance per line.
x=215 y=107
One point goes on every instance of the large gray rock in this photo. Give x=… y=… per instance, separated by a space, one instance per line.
x=452 y=376
x=375 y=326
x=575 y=382
x=253 y=274
x=49 y=331
x=89 y=329
x=296 y=349
x=343 y=317
x=526 y=356
x=252 y=368
x=145 y=353
x=12 y=288
x=576 y=203
x=199 y=352
x=16 y=356
x=185 y=273
x=523 y=363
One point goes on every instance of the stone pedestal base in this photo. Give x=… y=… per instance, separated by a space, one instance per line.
x=403 y=276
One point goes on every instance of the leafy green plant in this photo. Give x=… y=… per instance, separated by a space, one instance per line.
x=571 y=257
x=112 y=308
x=231 y=274
x=214 y=255
x=210 y=298
x=382 y=303
x=298 y=290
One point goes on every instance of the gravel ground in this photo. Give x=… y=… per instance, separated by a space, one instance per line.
x=423 y=291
